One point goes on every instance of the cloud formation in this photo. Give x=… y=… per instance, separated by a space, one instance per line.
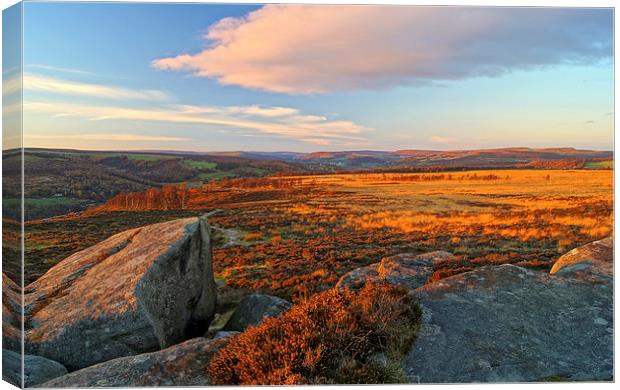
x=108 y=137
x=304 y=49
x=442 y=140
x=248 y=120
x=35 y=82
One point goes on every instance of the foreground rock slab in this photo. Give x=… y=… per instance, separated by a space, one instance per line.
x=184 y=364
x=253 y=309
x=595 y=258
x=138 y=291
x=11 y=314
x=37 y=369
x=408 y=270
x=510 y=324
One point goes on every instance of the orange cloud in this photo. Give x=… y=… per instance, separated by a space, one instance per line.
x=305 y=49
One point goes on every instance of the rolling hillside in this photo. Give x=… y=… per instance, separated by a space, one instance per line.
x=62 y=181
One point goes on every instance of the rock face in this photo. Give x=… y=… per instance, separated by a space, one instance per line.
x=138 y=291
x=510 y=324
x=37 y=369
x=594 y=258
x=11 y=314
x=184 y=364
x=405 y=269
x=253 y=309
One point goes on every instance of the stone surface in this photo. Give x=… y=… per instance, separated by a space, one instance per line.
x=405 y=269
x=223 y=334
x=510 y=324
x=593 y=258
x=253 y=309
x=11 y=314
x=138 y=291
x=37 y=369
x=184 y=364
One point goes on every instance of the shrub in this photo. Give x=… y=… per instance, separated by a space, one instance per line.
x=252 y=236
x=333 y=337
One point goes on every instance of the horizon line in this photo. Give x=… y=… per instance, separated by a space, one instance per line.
x=298 y=152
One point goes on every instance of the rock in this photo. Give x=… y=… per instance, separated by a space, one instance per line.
x=37 y=369
x=223 y=334
x=357 y=278
x=184 y=364
x=11 y=314
x=219 y=321
x=408 y=270
x=253 y=309
x=593 y=258
x=511 y=324
x=138 y=291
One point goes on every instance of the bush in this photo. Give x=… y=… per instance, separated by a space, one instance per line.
x=333 y=337
x=252 y=236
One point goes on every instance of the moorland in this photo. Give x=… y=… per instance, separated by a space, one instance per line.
x=297 y=232
x=292 y=224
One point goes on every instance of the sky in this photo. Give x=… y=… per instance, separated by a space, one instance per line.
x=207 y=77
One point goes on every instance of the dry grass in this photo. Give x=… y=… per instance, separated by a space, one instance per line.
x=333 y=337
x=335 y=223
x=349 y=220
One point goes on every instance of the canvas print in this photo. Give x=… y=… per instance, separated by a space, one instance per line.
x=291 y=194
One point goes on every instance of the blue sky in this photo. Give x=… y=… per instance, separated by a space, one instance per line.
x=226 y=77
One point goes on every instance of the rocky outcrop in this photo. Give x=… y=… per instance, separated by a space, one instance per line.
x=253 y=309
x=184 y=364
x=405 y=269
x=511 y=324
x=11 y=314
x=37 y=369
x=138 y=291
x=595 y=258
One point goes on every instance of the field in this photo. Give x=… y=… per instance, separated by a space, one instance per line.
x=58 y=182
x=295 y=236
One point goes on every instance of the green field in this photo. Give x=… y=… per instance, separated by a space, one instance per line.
x=197 y=164
x=600 y=164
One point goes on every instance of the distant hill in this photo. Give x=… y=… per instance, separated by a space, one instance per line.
x=500 y=157
x=59 y=181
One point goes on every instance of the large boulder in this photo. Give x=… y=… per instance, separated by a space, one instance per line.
x=511 y=324
x=37 y=369
x=408 y=270
x=253 y=309
x=595 y=258
x=138 y=291
x=11 y=314
x=184 y=364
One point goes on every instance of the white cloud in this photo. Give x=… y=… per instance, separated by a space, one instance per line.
x=11 y=84
x=315 y=49
x=442 y=140
x=60 y=69
x=107 y=137
x=288 y=122
x=317 y=141
x=35 y=82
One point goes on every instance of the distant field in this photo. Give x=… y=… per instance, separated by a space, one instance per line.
x=293 y=236
x=600 y=164
x=200 y=164
x=41 y=207
x=82 y=178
